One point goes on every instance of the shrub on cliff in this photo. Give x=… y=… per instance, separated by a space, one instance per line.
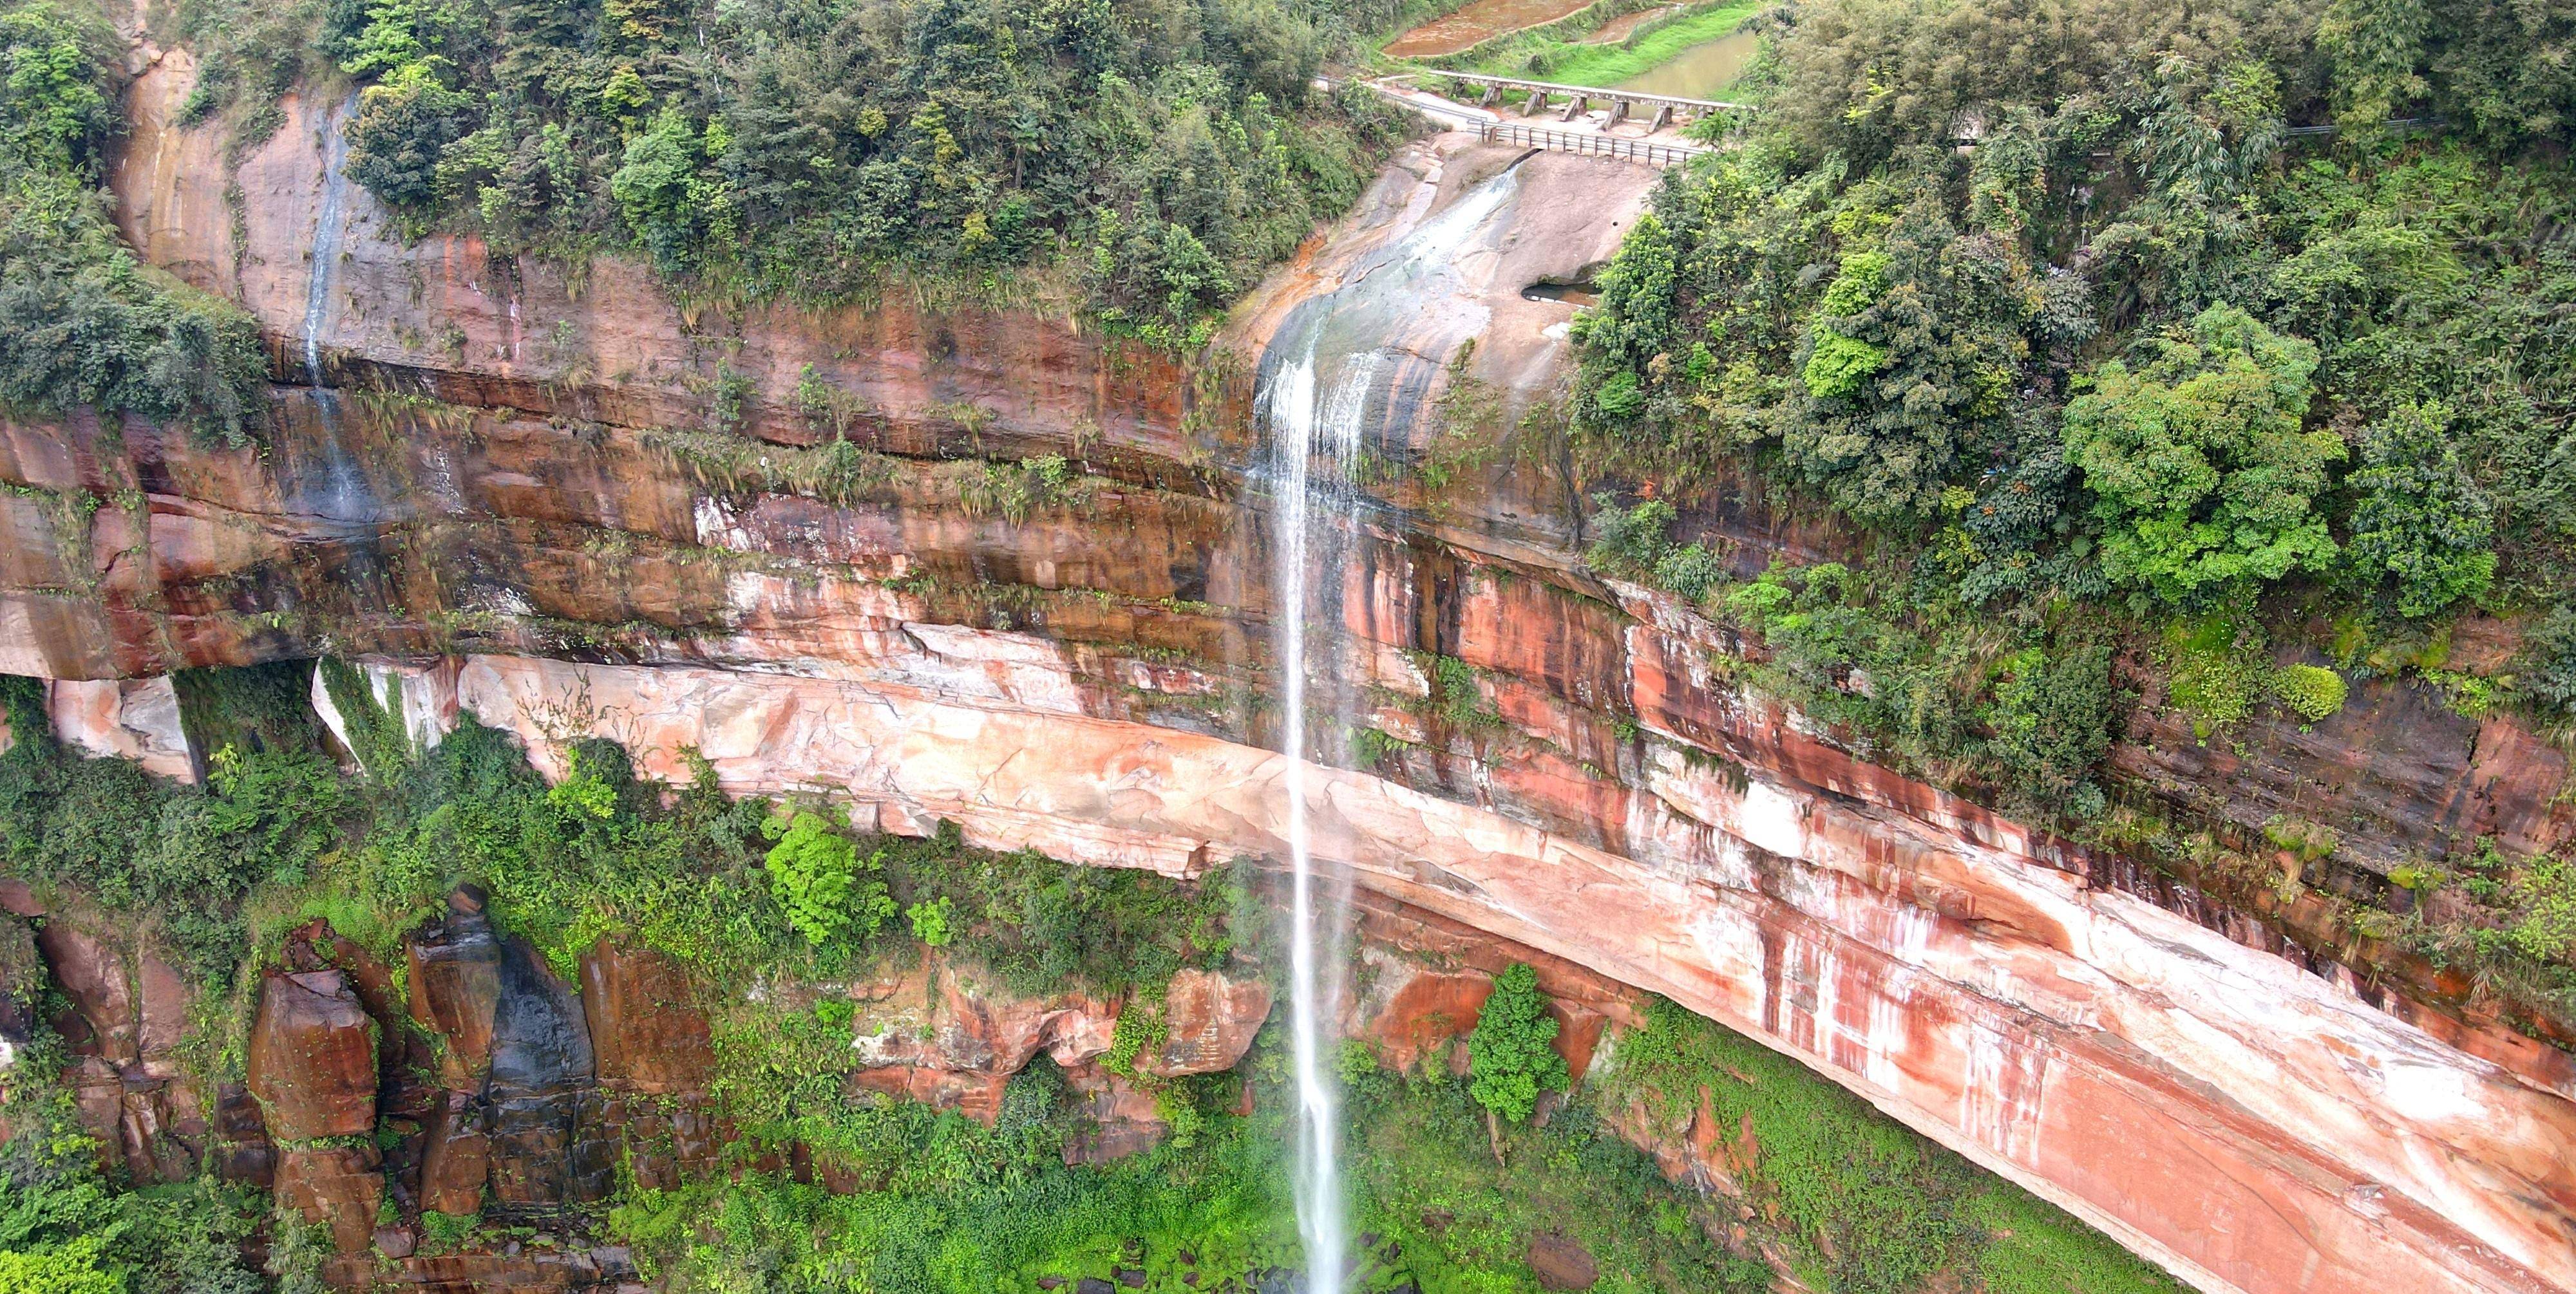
x=2547 y=670
x=828 y=893
x=1511 y=1058
x=2312 y=692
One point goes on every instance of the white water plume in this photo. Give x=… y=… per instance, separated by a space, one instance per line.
x=1308 y=427
x=1338 y=359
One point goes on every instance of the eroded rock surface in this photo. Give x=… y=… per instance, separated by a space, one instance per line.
x=1063 y=679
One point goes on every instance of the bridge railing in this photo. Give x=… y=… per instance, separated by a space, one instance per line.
x=1651 y=152
x=1555 y=90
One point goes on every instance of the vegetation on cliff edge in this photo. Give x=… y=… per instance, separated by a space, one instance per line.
x=1158 y=154
x=82 y=321
x=2116 y=389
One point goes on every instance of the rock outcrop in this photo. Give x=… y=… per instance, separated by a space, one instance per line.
x=945 y=1033
x=516 y=495
x=125 y=1018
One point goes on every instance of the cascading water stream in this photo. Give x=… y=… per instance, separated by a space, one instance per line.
x=326 y=243
x=335 y=489
x=1339 y=365
x=328 y=487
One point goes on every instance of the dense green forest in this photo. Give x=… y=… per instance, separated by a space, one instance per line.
x=747 y=894
x=2103 y=351
x=1144 y=161
x=1155 y=154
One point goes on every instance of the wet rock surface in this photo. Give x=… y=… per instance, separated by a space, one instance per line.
x=312 y=1059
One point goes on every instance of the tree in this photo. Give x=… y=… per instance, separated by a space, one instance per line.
x=52 y=110
x=659 y=193
x=2202 y=474
x=2052 y=721
x=1510 y=1059
x=816 y=875
x=2376 y=47
x=401 y=133
x=2420 y=520
x=1914 y=351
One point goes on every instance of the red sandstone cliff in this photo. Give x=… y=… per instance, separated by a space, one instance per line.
x=495 y=505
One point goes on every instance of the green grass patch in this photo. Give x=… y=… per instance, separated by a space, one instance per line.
x=1571 y=62
x=1859 y=1202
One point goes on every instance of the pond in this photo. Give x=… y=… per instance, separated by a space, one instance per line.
x=1700 y=71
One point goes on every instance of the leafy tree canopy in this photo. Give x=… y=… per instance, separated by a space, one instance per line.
x=1510 y=1056
x=2203 y=474
x=1155 y=155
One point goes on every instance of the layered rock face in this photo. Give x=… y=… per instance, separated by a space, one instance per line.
x=569 y=513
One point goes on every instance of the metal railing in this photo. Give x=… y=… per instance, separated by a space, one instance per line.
x=1648 y=151
x=1554 y=90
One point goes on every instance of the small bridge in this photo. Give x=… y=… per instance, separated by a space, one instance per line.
x=1652 y=152
x=1580 y=98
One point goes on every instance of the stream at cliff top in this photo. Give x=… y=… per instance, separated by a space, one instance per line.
x=1345 y=369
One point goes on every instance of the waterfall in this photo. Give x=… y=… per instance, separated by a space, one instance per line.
x=1342 y=364
x=327 y=223
x=334 y=490
x=1304 y=428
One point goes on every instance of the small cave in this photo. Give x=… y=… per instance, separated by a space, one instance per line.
x=1579 y=290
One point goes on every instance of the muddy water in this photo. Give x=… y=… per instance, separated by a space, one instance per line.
x=1481 y=20
x=1700 y=71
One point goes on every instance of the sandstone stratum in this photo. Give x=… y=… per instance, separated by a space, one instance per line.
x=510 y=498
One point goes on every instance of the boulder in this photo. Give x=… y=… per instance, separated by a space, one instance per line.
x=948 y=1014
x=337 y=1186
x=455 y=1158
x=646 y=1033
x=1121 y=1118
x=455 y=977
x=162 y=1021
x=1424 y=1014
x=1208 y=1023
x=313 y=1058
x=242 y=1153
x=1561 y=1264
x=1427 y=1016
x=944 y=1033
x=92 y=973
x=974 y=1094
x=547 y=1140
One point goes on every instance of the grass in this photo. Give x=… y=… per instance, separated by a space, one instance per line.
x=1573 y=63
x=1857 y=1203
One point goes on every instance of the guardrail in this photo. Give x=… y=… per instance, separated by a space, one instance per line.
x=1552 y=89
x=1648 y=151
